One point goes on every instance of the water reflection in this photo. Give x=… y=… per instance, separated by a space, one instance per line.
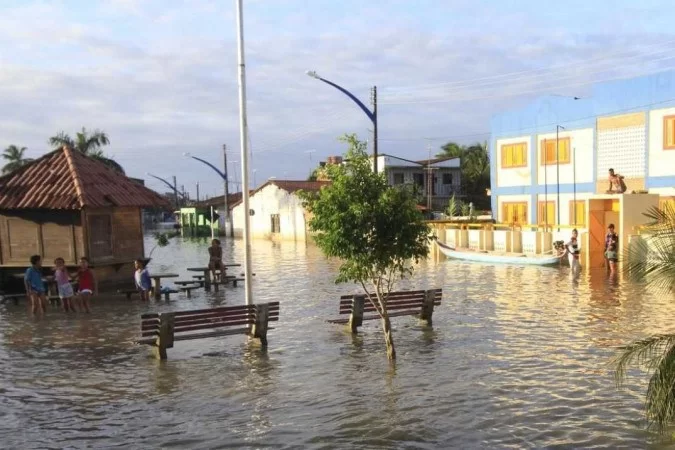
x=516 y=357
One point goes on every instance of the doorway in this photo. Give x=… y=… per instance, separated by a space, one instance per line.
x=601 y=212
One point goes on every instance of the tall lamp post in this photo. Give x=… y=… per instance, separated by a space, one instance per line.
x=171 y=186
x=223 y=175
x=372 y=115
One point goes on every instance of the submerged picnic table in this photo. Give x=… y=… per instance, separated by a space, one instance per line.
x=156 y=278
x=207 y=273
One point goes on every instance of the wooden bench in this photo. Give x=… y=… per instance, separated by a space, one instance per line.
x=189 y=283
x=162 y=329
x=402 y=303
x=188 y=290
x=127 y=292
x=13 y=297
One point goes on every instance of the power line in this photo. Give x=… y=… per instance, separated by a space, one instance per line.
x=591 y=62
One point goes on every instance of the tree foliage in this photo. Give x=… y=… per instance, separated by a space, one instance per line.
x=374 y=229
x=14 y=159
x=88 y=143
x=652 y=259
x=475 y=165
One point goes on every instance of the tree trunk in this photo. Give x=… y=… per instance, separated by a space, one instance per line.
x=388 y=337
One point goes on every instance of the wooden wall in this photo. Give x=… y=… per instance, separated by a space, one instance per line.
x=52 y=234
x=124 y=238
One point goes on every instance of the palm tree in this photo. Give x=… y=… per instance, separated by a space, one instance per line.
x=87 y=143
x=652 y=259
x=14 y=157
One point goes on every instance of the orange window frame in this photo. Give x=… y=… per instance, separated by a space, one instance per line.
x=550 y=218
x=519 y=210
x=580 y=210
x=669 y=126
x=564 y=150
x=514 y=149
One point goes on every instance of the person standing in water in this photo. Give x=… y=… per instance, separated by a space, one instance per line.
x=573 y=250
x=215 y=258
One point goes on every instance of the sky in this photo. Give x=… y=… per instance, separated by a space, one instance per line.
x=160 y=76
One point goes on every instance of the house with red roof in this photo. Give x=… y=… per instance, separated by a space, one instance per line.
x=68 y=205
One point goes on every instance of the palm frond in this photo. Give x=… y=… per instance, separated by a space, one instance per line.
x=61 y=139
x=641 y=353
x=660 y=401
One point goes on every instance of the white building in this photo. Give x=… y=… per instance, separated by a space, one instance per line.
x=276 y=210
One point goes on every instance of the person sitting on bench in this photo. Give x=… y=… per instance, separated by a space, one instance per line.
x=142 y=279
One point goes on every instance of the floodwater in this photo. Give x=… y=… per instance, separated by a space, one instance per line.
x=517 y=358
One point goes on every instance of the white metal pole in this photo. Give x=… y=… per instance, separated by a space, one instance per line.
x=212 y=236
x=243 y=136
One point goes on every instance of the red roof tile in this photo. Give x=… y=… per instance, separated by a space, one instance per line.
x=67 y=179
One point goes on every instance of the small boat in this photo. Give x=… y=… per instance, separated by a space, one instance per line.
x=487 y=257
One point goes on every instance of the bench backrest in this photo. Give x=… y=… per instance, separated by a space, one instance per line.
x=400 y=300
x=204 y=319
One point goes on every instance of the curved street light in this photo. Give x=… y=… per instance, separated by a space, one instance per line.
x=223 y=175
x=372 y=115
x=171 y=186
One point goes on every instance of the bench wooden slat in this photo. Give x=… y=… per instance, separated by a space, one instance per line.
x=390 y=307
x=217 y=319
x=394 y=298
x=188 y=337
x=246 y=321
x=391 y=294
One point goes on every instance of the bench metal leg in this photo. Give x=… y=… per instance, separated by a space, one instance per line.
x=165 y=338
x=188 y=293
x=262 y=314
x=428 y=306
x=356 y=317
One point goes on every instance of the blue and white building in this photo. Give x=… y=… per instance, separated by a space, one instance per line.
x=537 y=174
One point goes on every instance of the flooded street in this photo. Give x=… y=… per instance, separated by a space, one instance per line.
x=517 y=358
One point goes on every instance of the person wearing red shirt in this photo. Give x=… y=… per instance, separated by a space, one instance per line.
x=87 y=283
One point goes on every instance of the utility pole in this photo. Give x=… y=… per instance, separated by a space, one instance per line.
x=557 y=163
x=175 y=192
x=197 y=191
x=374 y=100
x=227 y=219
x=545 y=186
x=429 y=179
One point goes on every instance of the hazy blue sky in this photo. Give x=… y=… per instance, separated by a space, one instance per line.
x=159 y=76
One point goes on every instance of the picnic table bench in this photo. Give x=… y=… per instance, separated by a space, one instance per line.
x=401 y=303
x=187 y=289
x=130 y=292
x=161 y=330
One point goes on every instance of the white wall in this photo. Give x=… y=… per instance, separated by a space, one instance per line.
x=272 y=200
x=519 y=176
x=661 y=162
x=582 y=141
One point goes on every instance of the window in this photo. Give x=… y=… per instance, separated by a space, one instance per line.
x=274 y=222
x=669 y=133
x=548 y=151
x=514 y=155
x=100 y=236
x=515 y=213
x=578 y=213
x=546 y=213
x=447 y=178
x=398 y=178
x=418 y=178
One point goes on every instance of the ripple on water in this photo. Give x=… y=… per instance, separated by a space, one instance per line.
x=517 y=358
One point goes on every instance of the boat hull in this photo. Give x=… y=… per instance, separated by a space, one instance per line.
x=498 y=259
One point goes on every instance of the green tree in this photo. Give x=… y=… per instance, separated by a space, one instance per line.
x=374 y=229
x=14 y=159
x=89 y=144
x=652 y=259
x=475 y=166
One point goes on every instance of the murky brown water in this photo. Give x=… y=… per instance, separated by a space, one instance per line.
x=517 y=358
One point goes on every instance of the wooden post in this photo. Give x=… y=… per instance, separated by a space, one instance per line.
x=356 y=317
x=428 y=306
x=215 y=286
x=207 y=280
x=157 y=288
x=165 y=338
x=262 y=314
x=166 y=296
x=188 y=292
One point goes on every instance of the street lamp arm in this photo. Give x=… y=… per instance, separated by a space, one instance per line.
x=211 y=166
x=365 y=109
x=171 y=186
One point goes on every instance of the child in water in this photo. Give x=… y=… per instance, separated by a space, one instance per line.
x=612 y=257
x=35 y=288
x=63 y=285
x=87 y=283
x=215 y=258
x=142 y=279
